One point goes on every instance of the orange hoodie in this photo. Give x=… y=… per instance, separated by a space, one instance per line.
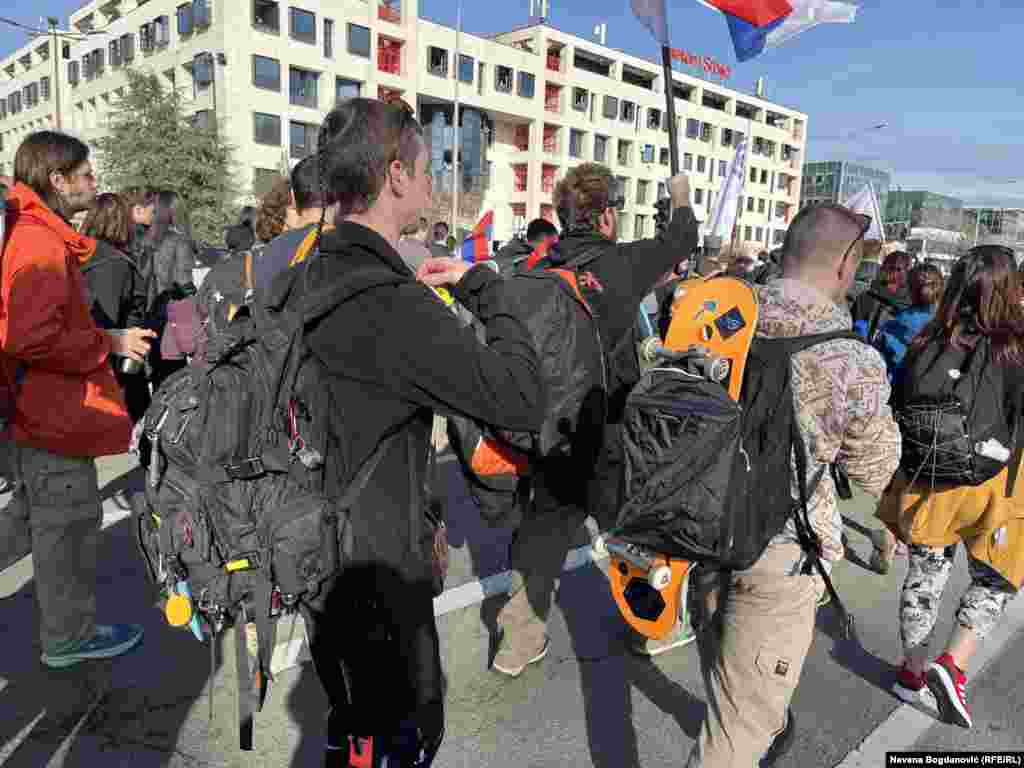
x=69 y=401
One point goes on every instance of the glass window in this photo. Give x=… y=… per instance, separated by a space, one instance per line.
x=648 y=153
x=302 y=139
x=641 y=192
x=437 y=61
x=760 y=205
x=580 y=99
x=347 y=89
x=266 y=128
x=575 y=143
x=702 y=163
x=764 y=177
x=200 y=13
x=466 y=66
x=723 y=167
x=638 y=226
x=600 y=148
x=359 y=40
x=527 y=84
x=302 y=25
x=127 y=47
x=698 y=196
x=687 y=162
x=329 y=38
x=611 y=107
x=503 y=79
x=692 y=128
x=266 y=73
x=625 y=151
x=750 y=207
x=302 y=87
x=628 y=111
x=184 y=19
x=759 y=234
x=266 y=15
x=753 y=175
x=749 y=233
x=663 y=156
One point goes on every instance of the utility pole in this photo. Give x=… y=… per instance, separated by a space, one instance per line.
x=455 y=131
x=55 y=54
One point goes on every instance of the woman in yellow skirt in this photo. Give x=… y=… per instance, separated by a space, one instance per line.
x=978 y=333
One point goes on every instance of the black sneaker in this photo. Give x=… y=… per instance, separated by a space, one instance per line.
x=783 y=742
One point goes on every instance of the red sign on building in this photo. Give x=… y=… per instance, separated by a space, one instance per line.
x=706 y=63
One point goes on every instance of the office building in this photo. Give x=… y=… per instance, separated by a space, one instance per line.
x=836 y=181
x=535 y=101
x=908 y=210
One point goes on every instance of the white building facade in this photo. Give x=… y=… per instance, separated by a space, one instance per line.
x=535 y=102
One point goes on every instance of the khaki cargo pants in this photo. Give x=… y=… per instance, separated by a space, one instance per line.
x=751 y=652
x=55 y=513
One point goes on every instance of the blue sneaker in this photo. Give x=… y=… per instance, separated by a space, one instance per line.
x=110 y=640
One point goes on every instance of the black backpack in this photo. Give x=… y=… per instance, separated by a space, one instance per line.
x=953 y=418
x=564 y=331
x=708 y=479
x=234 y=509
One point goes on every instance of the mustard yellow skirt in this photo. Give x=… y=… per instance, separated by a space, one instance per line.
x=989 y=524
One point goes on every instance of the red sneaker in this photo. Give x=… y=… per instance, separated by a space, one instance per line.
x=949 y=684
x=909 y=686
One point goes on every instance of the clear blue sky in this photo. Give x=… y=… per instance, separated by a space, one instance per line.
x=944 y=74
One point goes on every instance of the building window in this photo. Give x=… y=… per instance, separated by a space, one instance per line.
x=611 y=107
x=527 y=85
x=663 y=156
x=647 y=155
x=302 y=25
x=698 y=196
x=73 y=72
x=625 y=151
x=437 y=61
x=184 y=14
x=302 y=139
x=692 y=128
x=749 y=233
x=575 y=143
x=161 y=31
x=127 y=48
x=203 y=120
x=654 y=119
x=44 y=88
x=687 y=161
x=503 y=79
x=759 y=234
x=750 y=207
x=706 y=132
x=520 y=175
x=641 y=192
x=600 y=148
x=302 y=88
x=723 y=168
x=114 y=52
x=200 y=13
x=701 y=163
x=580 y=99
x=347 y=89
x=359 y=40
x=753 y=175
x=640 y=224
x=466 y=66
x=266 y=16
x=760 y=207
x=628 y=112
x=266 y=129
x=764 y=176
x=202 y=70
x=328 y=38
x=389 y=55
x=726 y=137
x=266 y=73
x=662 y=190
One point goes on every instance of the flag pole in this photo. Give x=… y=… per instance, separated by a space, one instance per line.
x=670 y=109
x=455 y=129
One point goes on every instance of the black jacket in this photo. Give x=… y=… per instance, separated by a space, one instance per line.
x=512 y=256
x=117 y=293
x=171 y=262
x=396 y=355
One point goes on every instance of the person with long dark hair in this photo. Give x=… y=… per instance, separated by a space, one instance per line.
x=117 y=292
x=975 y=338
x=170 y=256
x=63 y=405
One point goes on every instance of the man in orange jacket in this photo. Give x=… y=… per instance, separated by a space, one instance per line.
x=65 y=407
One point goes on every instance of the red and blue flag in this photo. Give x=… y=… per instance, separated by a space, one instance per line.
x=477 y=247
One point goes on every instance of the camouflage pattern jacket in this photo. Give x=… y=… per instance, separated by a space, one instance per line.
x=841 y=397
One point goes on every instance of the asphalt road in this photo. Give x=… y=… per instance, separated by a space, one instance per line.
x=590 y=703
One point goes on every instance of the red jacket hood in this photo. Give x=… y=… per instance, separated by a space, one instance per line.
x=23 y=202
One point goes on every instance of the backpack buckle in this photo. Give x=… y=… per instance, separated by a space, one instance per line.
x=245 y=470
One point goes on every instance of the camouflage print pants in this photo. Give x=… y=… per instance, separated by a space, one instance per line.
x=980 y=607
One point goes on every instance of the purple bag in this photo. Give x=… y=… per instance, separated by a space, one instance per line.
x=181 y=331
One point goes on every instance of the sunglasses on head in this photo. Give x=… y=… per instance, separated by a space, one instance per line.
x=860 y=220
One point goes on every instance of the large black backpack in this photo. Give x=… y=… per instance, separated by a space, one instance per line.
x=953 y=417
x=234 y=509
x=564 y=331
x=708 y=479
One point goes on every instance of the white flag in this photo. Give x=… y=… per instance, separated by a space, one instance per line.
x=866 y=202
x=808 y=14
x=723 y=217
x=651 y=13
